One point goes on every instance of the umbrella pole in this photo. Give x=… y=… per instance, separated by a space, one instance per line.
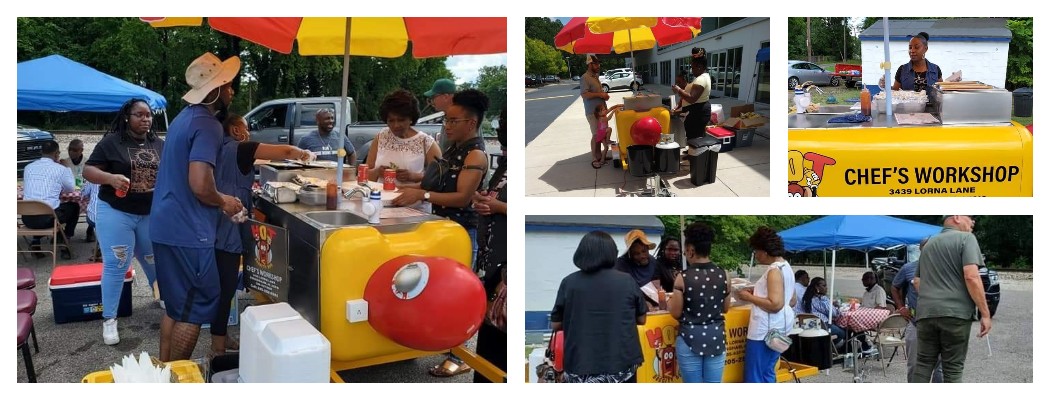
x=634 y=75
x=681 y=243
x=345 y=113
x=886 y=68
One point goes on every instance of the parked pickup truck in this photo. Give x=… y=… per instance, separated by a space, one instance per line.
x=284 y=121
x=30 y=141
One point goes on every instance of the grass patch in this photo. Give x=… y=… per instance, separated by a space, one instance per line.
x=1023 y=120
x=840 y=93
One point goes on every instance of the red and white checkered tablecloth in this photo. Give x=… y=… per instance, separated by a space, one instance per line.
x=862 y=319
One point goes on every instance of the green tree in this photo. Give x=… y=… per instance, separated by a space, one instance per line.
x=1019 y=67
x=1005 y=240
x=831 y=38
x=492 y=80
x=541 y=58
x=543 y=29
x=730 y=248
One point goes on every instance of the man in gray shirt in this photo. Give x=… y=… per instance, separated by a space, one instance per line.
x=324 y=140
x=949 y=286
x=593 y=95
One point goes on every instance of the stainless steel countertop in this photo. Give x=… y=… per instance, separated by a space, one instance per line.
x=820 y=121
x=353 y=205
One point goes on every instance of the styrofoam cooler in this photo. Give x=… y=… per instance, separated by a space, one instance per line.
x=535 y=358
x=293 y=351
x=76 y=293
x=253 y=321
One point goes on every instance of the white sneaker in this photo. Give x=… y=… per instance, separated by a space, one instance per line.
x=110 y=336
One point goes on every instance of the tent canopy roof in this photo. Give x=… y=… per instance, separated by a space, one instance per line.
x=855 y=232
x=56 y=83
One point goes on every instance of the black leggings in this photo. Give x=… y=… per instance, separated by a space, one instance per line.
x=228 y=265
x=697 y=120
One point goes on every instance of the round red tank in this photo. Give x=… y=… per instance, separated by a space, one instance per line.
x=646 y=131
x=425 y=303
x=559 y=350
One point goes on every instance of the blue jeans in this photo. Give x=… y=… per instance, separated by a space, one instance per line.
x=696 y=368
x=759 y=362
x=121 y=236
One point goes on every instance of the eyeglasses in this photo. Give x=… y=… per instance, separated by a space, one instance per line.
x=455 y=121
x=143 y=115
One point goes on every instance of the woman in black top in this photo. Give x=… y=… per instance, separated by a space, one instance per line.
x=701 y=296
x=124 y=164
x=598 y=308
x=492 y=253
x=468 y=164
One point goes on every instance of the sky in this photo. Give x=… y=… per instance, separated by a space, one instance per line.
x=466 y=68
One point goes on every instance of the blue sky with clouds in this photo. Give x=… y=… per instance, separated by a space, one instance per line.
x=466 y=68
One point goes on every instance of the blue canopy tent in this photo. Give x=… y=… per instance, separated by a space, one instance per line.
x=56 y=83
x=762 y=56
x=855 y=232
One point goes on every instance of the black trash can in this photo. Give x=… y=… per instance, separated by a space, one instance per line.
x=815 y=349
x=1023 y=102
x=702 y=167
x=668 y=158
x=641 y=160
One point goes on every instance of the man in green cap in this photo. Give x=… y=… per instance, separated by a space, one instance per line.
x=440 y=96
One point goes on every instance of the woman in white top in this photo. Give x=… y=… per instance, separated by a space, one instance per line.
x=695 y=98
x=771 y=300
x=399 y=145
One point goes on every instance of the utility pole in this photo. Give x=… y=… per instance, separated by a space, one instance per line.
x=809 y=47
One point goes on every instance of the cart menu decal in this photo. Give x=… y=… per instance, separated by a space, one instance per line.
x=267 y=268
x=805 y=172
x=736 y=341
x=661 y=341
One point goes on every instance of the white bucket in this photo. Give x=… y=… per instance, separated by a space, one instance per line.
x=293 y=351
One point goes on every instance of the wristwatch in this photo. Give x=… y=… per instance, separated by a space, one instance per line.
x=426 y=196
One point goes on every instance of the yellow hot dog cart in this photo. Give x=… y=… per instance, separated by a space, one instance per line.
x=657 y=339
x=969 y=148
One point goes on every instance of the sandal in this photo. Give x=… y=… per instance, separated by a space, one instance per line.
x=597 y=164
x=449 y=368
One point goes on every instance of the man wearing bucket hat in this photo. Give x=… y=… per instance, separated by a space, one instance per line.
x=440 y=97
x=186 y=205
x=636 y=261
x=593 y=96
x=949 y=287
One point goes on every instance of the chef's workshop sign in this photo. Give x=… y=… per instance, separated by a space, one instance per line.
x=267 y=268
x=813 y=174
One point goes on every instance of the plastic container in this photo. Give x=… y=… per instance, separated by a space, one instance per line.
x=76 y=293
x=668 y=158
x=641 y=160
x=745 y=137
x=185 y=371
x=702 y=168
x=331 y=196
x=254 y=320
x=725 y=136
x=1023 y=102
x=535 y=358
x=292 y=351
x=716 y=114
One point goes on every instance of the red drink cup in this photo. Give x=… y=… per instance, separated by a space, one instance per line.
x=362 y=174
x=121 y=193
x=389 y=179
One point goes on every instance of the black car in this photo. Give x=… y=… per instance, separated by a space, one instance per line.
x=532 y=80
x=30 y=141
x=551 y=79
x=990 y=279
x=886 y=268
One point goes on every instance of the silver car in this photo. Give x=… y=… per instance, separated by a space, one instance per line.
x=802 y=71
x=617 y=80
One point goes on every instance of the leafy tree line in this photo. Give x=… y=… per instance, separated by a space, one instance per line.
x=1006 y=240
x=156 y=58
x=829 y=38
x=542 y=58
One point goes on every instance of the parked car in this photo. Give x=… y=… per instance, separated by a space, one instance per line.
x=619 y=80
x=616 y=70
x=723 y=74
x=576 y=77
x=801 y=71
x=532 y=81
x=886 y=268
x=990 y=279
x=551 y=79
x=30 y=141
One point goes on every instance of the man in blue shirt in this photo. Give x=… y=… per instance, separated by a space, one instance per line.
x=186 y=206
x=324 y=140
x=906 y=296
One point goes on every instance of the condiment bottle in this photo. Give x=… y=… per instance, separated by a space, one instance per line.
x=332 y=196
x=865 y=101
x=377 y=206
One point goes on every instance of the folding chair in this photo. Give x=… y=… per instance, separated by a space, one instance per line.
x=39 y=208
x=890 y=334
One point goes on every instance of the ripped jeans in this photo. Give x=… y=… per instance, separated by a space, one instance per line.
x=121 y=236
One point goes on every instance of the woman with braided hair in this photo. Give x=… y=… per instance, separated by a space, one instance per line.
x=124 y=164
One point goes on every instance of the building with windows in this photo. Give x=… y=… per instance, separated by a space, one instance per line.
x=734 y=47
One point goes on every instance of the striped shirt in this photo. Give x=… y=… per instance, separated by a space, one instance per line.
x=90 y=191
x=45 y=180
x=821 y=306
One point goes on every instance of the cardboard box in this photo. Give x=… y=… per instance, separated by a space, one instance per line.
x=741 y=123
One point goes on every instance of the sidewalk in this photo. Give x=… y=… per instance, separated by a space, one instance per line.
x=557 y=162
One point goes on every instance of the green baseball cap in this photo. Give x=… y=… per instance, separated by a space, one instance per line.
x=441 y=86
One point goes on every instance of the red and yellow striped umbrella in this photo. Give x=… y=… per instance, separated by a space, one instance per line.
x=604 y=35
x=369 y=36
